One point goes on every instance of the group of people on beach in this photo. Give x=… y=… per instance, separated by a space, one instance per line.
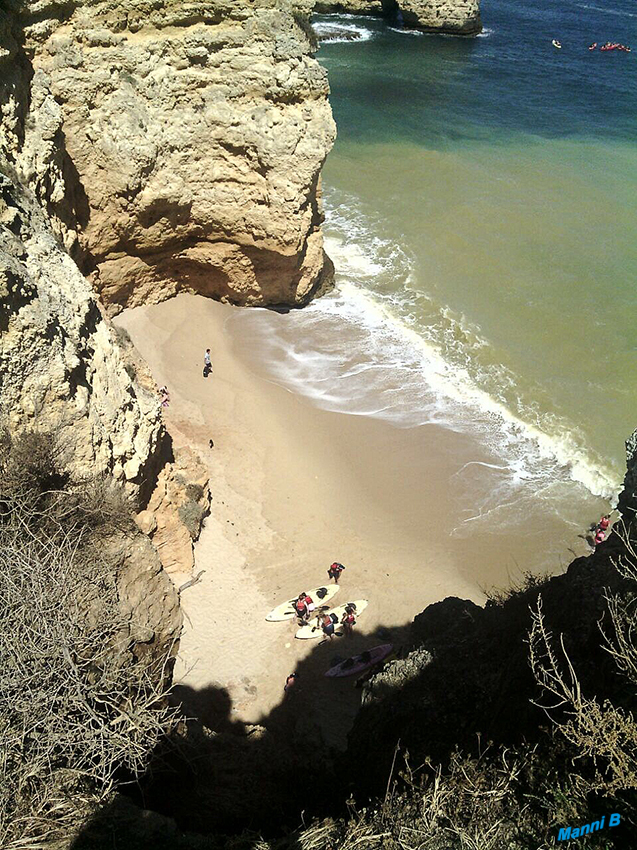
x=601 y=529
x=305 y=606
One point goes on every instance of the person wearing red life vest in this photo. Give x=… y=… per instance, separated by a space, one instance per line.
x=301 y=606
x=327 y=624
x=335 y=571
x=348 y=620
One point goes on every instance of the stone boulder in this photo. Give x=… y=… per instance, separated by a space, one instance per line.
x=175 y=512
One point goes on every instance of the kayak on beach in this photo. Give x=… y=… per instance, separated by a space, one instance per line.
x=361 y=662
x=312 y=630
x=286 y=611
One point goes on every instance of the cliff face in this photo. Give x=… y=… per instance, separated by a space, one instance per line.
x=180 y=144
x=63 y=373
x=457 y=17
x=61 y=367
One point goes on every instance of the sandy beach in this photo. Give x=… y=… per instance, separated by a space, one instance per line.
x=293 y=489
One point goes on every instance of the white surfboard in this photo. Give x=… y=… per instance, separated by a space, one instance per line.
x=312 y=630
x=287 y=610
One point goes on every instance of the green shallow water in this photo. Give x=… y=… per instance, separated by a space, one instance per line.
x=532 y=247
x=504 y=173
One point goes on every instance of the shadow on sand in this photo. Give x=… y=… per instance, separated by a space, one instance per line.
x=218 y=776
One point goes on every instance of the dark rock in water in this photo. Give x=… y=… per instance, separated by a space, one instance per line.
x=334 y=32
x=469 y=678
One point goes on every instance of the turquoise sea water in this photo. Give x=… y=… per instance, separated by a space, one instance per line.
x=482 y=217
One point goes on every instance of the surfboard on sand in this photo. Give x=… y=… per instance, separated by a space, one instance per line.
x=320 y=596
x=362 y=662
x=312 y=631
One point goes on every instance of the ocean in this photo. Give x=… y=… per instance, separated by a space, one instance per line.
x=481 y=213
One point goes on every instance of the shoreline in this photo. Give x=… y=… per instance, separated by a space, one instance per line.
x=293 y=489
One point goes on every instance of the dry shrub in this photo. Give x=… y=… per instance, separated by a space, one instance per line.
x=76 y=705
x=604 y=733
x=192 y=514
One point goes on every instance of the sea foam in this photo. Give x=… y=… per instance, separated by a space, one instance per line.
x=365 y=349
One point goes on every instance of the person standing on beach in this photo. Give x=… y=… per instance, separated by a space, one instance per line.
x=290 y=681
x=335 y=571
x=348 y=620
x=327 y=624
x=207 y=364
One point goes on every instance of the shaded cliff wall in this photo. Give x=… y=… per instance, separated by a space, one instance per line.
x=456 y=17
x=64 y=374
x=179 y=144
x=61 y=367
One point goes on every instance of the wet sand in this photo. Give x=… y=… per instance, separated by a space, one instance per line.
x=293 y=489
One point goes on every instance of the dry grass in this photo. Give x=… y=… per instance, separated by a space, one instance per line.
x=76 y=706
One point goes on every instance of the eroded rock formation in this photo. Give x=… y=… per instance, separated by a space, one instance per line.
x=62 y=370
x=457 y=17
x=179 y=145
x=63 y=373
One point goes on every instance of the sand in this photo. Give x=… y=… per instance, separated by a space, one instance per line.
x=293 y=489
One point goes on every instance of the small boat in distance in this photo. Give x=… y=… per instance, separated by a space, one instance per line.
x=557 y=44
x=615 y=45
x=593 y=46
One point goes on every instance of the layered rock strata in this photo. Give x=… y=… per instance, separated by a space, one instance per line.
x=457 y=17
x=180 y=144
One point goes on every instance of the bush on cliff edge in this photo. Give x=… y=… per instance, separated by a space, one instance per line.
x=76 y=706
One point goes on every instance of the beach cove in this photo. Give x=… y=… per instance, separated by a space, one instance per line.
x=294 y=488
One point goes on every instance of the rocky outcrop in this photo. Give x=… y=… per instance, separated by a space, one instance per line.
x=63 y=373
x=173 y=517
x=469 y=679
x=179 y=145
x=65 y=370
x=62 y=370
x=627 y=500
x=457 y=17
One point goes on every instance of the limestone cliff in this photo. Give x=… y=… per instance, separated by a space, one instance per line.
x=65 y=370
x=61 y=367
x=179 y=144
x=456 y=17
x=64 y=374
